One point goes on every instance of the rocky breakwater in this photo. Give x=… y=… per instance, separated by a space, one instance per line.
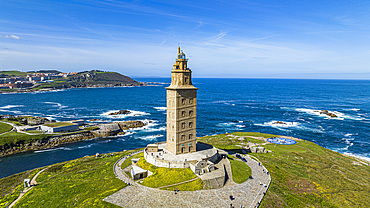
x=45 y=143
x=112 y=129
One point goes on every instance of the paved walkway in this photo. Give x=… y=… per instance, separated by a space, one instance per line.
x=247 y=194
x=25 y=190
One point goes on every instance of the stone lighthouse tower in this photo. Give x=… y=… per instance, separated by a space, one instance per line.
x=181 y=108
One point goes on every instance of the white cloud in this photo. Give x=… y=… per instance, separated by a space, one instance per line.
x=10 y=36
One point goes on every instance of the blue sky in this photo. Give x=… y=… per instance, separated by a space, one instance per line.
x=264 y=39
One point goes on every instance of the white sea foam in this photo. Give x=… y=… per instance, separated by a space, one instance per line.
x=231 y=125
x=340 y=116
x=352 y=109
x=160 y=108
x=127 y=133
x=348 y=135
x=163 y=128
x=132 y=113
x=285 y=126
x=279 y=125
x=361 y=156
x=56 y=105
x=151 y=137
x=226 y=102
x=11 y=106
x=48 y=150
x=86 y=146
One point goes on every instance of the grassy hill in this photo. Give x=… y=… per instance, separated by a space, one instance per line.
x=90 y=79
x=306 y=174
x=4 y=74
x=303 y=175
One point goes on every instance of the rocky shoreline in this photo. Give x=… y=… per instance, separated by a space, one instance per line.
x=87 y=86
x=50 y=142
x=103 y=130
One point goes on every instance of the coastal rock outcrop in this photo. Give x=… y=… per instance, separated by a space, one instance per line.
x=279 y=122
x=46 y=143
x=36 y=120
x=120 y=112
x=112 y=129
x=130 y=124
x=109 y=129
x=332 y=115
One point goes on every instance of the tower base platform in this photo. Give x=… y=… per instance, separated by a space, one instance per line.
x=165 y=158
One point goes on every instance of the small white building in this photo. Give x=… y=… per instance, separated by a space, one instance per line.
x=54 y=127
x=138 y=173
x=78 y=122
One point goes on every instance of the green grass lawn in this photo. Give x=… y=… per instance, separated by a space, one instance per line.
x=59 y=124
x=92 y=128
x=13 y=73
x=221 y=141
x=5 y=127
x=83 y=182
x=164 y=176
x=239 y=170
x=34 y=132
x=128 y=161
x=227 y=142
x=307 y=175
x=16 y=138
x=10 y=187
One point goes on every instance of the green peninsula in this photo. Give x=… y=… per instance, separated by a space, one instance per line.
x=303 y=175
x=15 y=81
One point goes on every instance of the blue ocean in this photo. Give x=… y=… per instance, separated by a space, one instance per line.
x=224 y=105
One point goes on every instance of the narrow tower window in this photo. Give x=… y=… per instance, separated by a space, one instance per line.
x=183 y=125
x=186 y=80
x=191 y=100
x=183 y=114
x=183 y=101
x=190 y=113
x=182 y=137
x=190 y=124
x=190 y=136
